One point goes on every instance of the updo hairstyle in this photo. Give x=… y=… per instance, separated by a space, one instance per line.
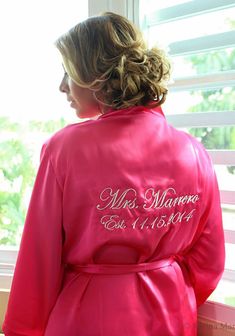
x=108 y=55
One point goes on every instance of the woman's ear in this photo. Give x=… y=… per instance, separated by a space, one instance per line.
x=99 y=97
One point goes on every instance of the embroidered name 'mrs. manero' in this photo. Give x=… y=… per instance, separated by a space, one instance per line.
x=152 y=199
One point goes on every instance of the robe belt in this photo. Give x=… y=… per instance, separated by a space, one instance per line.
x=120 y=268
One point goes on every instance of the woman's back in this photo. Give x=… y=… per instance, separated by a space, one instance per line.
x=144 y=198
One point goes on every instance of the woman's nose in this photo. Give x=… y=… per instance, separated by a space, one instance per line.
x=64 y=85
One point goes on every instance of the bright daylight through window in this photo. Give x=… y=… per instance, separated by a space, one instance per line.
x=31 y=106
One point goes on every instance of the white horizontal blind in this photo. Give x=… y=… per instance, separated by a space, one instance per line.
x=187 y=9
x=207 y=81
x=195 y=45
x=211 y=81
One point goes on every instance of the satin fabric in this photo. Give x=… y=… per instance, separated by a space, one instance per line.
x=119 y=191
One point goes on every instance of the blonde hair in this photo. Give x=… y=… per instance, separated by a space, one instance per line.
x=108 y=55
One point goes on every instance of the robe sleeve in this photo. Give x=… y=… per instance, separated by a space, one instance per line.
x=39 y=269
x=204 y=261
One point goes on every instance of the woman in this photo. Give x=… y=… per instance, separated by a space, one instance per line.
x=123 y=234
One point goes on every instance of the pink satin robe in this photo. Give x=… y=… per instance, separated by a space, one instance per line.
x=137 y=196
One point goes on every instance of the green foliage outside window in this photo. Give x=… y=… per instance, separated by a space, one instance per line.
x=17 y=172
x=215 y=100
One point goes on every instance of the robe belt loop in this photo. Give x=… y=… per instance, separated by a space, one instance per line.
x=120 y=268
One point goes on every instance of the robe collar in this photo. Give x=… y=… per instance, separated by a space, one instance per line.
x=132 y=110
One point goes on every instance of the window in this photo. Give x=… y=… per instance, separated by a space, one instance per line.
x=31 y=106
x=200 y=38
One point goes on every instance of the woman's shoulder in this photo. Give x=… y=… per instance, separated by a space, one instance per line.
x=71 y=129
x=70 y=133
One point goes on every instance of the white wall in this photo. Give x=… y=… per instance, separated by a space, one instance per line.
x=128 y=8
